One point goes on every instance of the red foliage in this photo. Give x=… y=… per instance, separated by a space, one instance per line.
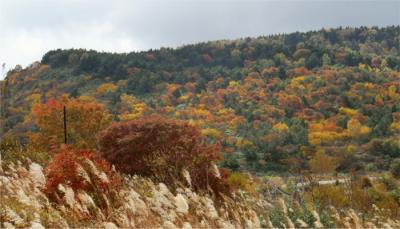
x=160 y=148
x=66 y=168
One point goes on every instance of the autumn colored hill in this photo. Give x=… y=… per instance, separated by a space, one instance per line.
x=319 y=101
x=295 y=130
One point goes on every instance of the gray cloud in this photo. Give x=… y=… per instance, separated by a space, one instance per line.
x=32 y=27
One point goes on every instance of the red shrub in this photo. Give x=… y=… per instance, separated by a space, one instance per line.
x=160 y=148
x=66 y=169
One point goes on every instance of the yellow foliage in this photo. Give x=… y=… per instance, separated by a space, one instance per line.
x=364 y=130
x=348 y=111
x=225 y=111
x=369 y=86
x=201 y=113
x=316 y=126
x=178 y=113
x=355 y=128
x=106 y=87
x=126 y=117
x=211 y=132
x=296 y=82
x=361 y=66
x=135 y=107
x=86 y=98
x=330 y=195
x=233 y=83
x=316 y=138
x=139 y=107
x=351 y=148
x=243 y=143
x=319 y=133
x=235 y=122
x=281 y=127
x=299 y=78
x=192 y=122
x=33 y=98
x=395 y=126
x=183 y=98
x=241 y=181
x=392 y=92
x=197 y=122
x=128 y=100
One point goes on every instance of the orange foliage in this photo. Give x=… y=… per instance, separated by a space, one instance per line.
x=84 y=120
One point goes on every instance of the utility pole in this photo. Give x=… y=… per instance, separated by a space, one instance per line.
x=65 y=126
x=207 y=176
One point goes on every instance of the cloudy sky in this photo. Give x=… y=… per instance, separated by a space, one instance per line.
x=29 y=28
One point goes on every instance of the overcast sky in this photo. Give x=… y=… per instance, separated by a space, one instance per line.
x=30 y=28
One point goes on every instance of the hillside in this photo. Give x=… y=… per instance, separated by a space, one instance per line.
x=293 y=130
x=270 y=101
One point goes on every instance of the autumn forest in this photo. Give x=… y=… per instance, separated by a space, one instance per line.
x=273 y=116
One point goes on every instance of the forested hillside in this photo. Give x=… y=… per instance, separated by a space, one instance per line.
x=293 y=130
x=273 y=103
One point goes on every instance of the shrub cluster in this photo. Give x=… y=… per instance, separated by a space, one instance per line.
x=80 y=170
x=162 y=149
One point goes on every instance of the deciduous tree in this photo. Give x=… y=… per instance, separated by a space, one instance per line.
x=85 y=118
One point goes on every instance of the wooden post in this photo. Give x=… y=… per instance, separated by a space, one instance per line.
x=176 y=165
x=65 y=126
x=207 y=176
